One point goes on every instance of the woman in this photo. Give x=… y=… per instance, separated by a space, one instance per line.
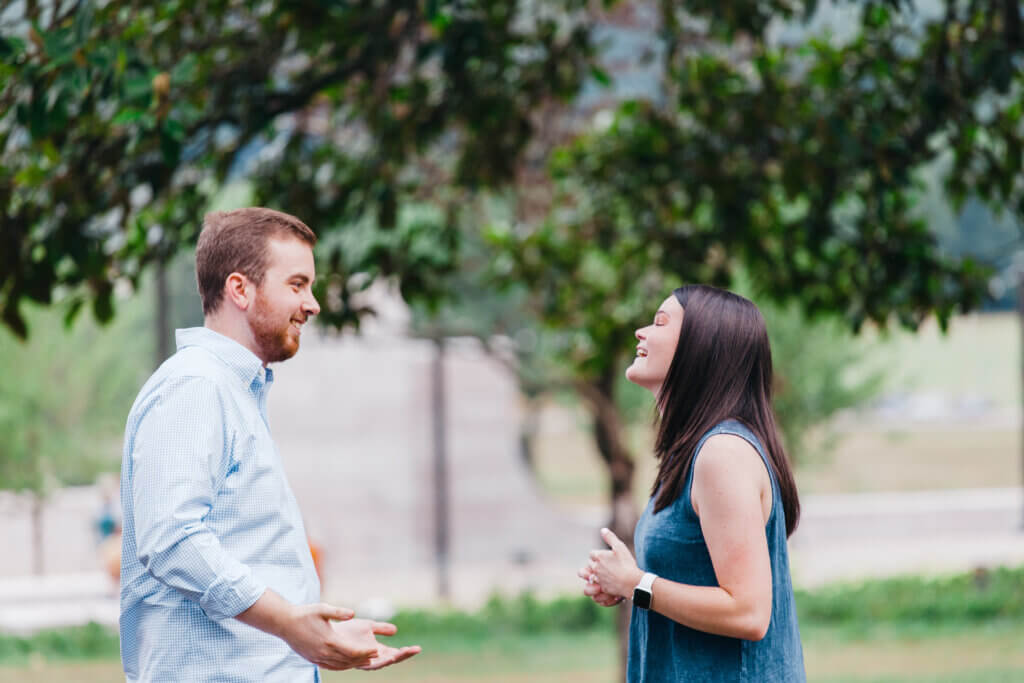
x=713 y=598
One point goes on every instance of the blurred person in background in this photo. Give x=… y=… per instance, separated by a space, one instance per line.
x=217 y=579
x=107 y=524
x=711 y=587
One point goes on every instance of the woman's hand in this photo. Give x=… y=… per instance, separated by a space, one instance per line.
x=592 y=589
x=614 y=571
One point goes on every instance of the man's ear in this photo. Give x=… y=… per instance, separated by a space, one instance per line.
x=239 y=291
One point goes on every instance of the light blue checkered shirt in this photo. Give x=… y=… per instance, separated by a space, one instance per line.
x=209 y=522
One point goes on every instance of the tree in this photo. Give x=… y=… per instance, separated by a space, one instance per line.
x=119 y=119
x=796 y=163
x=63 y=399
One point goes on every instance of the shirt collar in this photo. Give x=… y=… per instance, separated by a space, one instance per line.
x=241 y=360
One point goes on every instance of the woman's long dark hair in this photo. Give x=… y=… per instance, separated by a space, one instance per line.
x=722 y=369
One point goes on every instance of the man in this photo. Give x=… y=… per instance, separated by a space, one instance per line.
x=217 y=581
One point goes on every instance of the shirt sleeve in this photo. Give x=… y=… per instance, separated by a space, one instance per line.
x=179 y=458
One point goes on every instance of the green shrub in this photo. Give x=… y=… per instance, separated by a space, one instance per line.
x=964 y=599
x=77 y=642
x=524 y=615
x=980 y=595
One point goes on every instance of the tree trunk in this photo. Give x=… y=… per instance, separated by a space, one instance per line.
x=610 y=437
x=441 y=516
x=1020 y=316
x=528 y=432
x=37 y=533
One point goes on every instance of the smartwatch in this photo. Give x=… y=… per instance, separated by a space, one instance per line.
x=642 y=596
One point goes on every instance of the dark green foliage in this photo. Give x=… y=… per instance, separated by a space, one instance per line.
x=118 y=120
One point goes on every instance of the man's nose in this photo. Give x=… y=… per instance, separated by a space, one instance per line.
x=311 y=306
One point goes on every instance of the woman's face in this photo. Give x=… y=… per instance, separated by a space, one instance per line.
x=657 y=346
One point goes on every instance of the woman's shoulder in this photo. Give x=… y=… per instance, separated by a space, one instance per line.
x=726 y=456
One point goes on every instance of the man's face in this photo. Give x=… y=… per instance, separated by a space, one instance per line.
x=284 y=301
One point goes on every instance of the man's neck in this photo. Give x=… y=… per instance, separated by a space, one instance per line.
x=235 y=329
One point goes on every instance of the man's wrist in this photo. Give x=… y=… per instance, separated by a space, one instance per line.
x=270 y=613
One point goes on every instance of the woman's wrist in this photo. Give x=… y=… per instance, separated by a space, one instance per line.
x=634 y=581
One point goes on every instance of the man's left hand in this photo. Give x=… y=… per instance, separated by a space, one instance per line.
x=386 y=655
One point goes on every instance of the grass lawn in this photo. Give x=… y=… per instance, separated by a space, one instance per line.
x=991 y=653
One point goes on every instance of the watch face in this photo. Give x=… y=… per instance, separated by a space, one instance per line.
x=641 y=598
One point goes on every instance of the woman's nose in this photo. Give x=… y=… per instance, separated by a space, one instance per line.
x=640 y=334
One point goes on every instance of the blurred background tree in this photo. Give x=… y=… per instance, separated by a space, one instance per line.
x=63 y=401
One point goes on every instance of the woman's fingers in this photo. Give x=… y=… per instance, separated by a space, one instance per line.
x=613 y=541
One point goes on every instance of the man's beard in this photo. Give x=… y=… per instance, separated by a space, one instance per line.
x=272 y=338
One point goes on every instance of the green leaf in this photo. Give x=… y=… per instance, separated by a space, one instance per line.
x=170 y=148
x=186 y=70
x=600 y=75
x=128 y=115
x=174 y=130
x=72 y=312
x=137 y=86
x=11 y=48
x=103 y=305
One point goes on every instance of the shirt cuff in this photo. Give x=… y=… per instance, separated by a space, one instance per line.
x=227 y=598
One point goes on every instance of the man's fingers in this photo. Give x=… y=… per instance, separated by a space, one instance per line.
x=382 y=628
x=359 y=651
x=406 y=652
x=341 y=663
x=389 y=656
x=336 y=613
x=596 y=555
x=613 y=541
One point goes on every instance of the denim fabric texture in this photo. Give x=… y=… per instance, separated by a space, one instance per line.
x=670 y=543
x=209 y=523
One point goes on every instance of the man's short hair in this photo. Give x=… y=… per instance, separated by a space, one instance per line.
x=236 y=242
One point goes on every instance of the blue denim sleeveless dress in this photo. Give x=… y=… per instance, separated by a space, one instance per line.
x=670 y=543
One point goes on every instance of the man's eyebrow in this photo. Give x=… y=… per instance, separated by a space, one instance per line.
x=299 y=276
